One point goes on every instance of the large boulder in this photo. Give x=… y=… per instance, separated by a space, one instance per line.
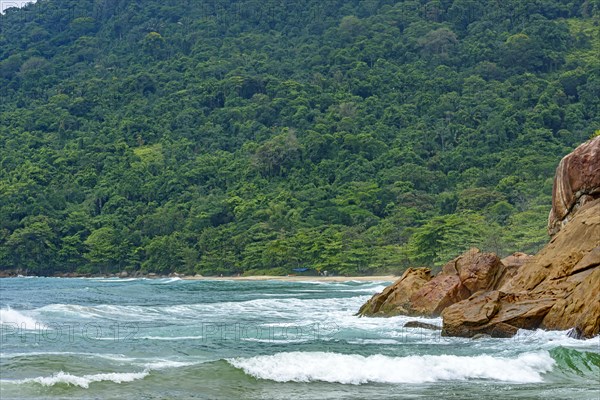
x=480 y=271
x=580 y=309
x=417 y=293
x=495 y=313
x=460 y=278
x=577 y=181
x=395 y=299
x=437 y=294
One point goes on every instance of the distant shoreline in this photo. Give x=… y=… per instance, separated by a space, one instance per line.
x=296 y=278
x=287 y=278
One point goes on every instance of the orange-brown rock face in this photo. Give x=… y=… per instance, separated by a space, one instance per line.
x=577 y=181
x=437 y=294
x=559 y=288
x=395 y=299
x=417 y=293
x=512 y=264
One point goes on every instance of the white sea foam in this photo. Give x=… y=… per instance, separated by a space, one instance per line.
x=166 y=280
x=18 y=320
x=274 y=340
x=108 y=356
x=373 y=290
x=357 y=369
x=275 y=306
x=169 y=338
x=551 y=339
x=82 y=381
x=116 y=280
x=327 y=316
x=374 y=341
x=85 y=380
x=347 y=283
x=165 y=364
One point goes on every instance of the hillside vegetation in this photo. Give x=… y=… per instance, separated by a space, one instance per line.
x=260 y=136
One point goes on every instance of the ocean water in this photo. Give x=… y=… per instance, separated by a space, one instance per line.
x=172 y=338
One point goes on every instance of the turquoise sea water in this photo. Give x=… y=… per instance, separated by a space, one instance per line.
x=171 y=338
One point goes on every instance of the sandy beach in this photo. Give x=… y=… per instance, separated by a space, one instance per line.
x=293 y=278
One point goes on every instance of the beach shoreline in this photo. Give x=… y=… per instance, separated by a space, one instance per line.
x=297 y=278
x=287 y=278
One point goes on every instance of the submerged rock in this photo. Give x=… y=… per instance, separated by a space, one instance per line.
x=422 y=325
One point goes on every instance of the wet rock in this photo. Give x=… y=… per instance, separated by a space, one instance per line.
x=422 y=325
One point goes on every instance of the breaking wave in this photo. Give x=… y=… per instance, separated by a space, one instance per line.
x=357 y=369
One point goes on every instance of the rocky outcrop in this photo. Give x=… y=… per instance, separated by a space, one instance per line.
x=577 y=181
x=559 y=288
x=418 y=293
x=395 y=299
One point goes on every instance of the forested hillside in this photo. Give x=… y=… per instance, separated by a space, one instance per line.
x=258 y=136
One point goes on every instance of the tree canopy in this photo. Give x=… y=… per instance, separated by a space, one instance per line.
x=256 y=137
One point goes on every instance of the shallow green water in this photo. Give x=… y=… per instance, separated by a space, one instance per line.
x=169 y=338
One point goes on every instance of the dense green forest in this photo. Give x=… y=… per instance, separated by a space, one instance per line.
x=259 y=136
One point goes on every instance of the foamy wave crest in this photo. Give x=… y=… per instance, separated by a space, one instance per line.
x=270 y=306
x=349 y=282
x=376 y=289
x=551 y=339
x=166 y=281
x=116 y=280
x=168 y=338
x=8 y=316
x=85 y=380
x=356 y=369
x=82 y=381
x=166 y=364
